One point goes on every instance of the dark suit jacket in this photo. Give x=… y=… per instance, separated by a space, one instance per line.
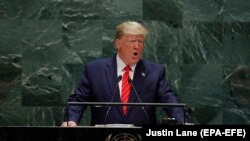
x=99 y=81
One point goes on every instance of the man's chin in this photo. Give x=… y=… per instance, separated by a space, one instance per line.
x=134 y=61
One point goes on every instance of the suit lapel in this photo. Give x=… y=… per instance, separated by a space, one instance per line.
x=111 y=76
x=139 y=78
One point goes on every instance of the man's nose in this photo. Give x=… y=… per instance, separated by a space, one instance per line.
x=137 y=45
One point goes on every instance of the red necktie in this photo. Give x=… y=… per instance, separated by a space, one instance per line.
x=126 y=86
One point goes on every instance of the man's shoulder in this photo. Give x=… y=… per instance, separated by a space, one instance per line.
x=151 y=64
x=100 y=61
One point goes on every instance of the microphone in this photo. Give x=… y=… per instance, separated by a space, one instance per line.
x=145 y=112
x=112 y=99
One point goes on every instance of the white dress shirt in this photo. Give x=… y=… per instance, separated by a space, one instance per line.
x=120 y=66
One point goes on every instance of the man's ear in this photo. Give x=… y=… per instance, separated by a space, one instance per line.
x=117 y=43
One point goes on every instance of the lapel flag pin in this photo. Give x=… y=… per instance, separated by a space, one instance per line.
x=143 y=74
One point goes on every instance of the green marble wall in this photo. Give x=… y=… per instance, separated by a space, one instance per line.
x=205 y=45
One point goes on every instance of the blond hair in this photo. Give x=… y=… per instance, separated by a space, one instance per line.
x=130 y=27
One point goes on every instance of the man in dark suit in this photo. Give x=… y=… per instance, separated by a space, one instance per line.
x=123 y=78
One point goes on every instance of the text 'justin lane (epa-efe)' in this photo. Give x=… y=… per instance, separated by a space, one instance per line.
x=202 y=133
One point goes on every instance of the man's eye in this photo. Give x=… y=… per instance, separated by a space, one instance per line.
x=132 y=41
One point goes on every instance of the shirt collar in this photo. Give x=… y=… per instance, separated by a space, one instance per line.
x=121 y=64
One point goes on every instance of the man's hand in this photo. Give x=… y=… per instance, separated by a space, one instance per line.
x=69 y=124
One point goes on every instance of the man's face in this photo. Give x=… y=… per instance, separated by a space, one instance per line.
x=130 y=48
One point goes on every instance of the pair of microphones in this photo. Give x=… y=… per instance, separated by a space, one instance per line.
x=112 y=99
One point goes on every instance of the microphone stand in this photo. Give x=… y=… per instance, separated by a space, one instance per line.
x=145 y=112
x=112 y=99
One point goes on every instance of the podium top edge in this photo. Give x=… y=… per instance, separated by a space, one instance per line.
x=126 y=104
